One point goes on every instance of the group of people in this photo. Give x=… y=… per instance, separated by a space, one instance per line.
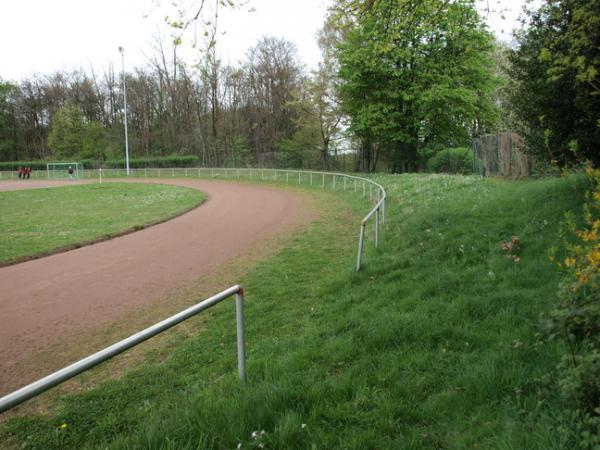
x=24 y=172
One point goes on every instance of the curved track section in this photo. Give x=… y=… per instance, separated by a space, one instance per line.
x=43 y=302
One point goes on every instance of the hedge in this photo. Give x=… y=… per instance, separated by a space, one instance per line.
x=452 y=160
x=134 y=163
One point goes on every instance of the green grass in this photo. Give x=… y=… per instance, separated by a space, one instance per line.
x=36 y=221
x=432 y=346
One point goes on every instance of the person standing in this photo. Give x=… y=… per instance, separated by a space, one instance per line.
x=70 y=170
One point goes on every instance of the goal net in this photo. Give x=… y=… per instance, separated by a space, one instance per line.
x=64 y=170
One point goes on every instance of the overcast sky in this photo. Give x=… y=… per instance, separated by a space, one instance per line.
x=44 y=36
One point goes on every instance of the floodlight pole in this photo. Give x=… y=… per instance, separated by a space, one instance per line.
x=122 y=51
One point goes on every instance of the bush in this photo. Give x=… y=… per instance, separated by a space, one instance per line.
x=577 y=320
x=14 y=165
x=140 y=163
x=134 y=163
x=452 y=160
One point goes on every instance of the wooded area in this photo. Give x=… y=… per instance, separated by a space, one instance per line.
x=399 y=82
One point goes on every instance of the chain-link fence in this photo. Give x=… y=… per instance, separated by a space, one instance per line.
x=500 y=155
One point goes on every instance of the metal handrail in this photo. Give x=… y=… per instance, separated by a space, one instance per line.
x=25 y=393
x=378 y=210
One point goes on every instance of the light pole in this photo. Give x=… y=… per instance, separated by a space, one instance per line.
x=122 y=51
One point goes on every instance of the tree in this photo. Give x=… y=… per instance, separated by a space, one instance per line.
x=416 y=77
x=556 y=73
x=68 y=131
x=274 y=77
x=8 y=131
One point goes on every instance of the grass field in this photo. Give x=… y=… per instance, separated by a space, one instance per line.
x=36 y=221
x=432 y=346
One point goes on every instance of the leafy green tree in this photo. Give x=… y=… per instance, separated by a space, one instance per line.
x=556 y=74
x=417 y=77
x=303 y=149
x=95 y=144
x=68 y=131
x=8 y=132
x=8 y=124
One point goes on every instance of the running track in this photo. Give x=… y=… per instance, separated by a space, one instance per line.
x=45 y=302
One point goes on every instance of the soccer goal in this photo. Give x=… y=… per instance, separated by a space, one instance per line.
x=64 y=170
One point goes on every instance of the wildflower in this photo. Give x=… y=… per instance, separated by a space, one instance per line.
x=569 y=262
x=64 y=426
x=303 y=426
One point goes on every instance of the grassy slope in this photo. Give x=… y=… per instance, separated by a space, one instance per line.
x=431 y=346
x=40 y=220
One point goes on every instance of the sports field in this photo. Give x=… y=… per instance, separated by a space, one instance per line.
x=40 y=221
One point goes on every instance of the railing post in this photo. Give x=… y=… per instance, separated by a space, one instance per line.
x=334 y=182
x=377 y=227
x=241 y=341
x=361 y=238
x=311 y=178
x=323 y=182
x=299 y=175
x=287 y=177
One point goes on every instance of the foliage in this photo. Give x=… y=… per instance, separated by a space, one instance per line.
x=96 y=145
x=302 y=149
x=577 y=319
x=136 y=163
x=574 y=48
x=15 y=165
x=555 y=70
x=7 y=123
x=68 y=132
x=452 y=160
x=140 y=163
x=416 y=77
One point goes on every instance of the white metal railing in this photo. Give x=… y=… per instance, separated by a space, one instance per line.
x=337 y=181
x=25 y=393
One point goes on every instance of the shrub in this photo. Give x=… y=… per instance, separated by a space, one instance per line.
x=167 y=161
x=14 y=165
x=577 y=319
x=452 y=160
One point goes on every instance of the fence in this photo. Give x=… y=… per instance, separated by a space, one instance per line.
x=25 y=393
x=500 y=154
x=324 y=180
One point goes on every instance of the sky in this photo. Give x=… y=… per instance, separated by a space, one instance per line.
x=43 y=36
